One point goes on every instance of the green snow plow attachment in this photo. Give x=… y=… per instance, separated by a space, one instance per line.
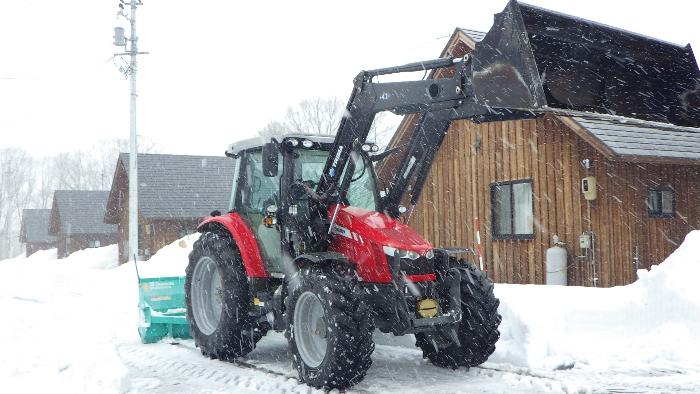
x=162 y=305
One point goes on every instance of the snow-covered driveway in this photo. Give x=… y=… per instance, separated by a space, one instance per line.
x=69 y=326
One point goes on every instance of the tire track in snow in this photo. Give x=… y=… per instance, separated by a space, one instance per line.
x=164 y=369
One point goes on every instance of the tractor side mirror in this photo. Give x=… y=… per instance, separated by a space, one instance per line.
x=270 y=157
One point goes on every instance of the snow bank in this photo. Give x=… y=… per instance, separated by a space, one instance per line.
x=63 y=320
x=93 y=258
x=655 y=320
x=171 y=260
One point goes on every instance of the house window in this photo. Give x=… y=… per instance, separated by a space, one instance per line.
x=94 y=244
x=662 y=203
x=512 y=210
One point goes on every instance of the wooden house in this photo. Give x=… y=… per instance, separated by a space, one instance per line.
x=34 y=232
x=175 y=192
x=77 y=221
x=523 y=180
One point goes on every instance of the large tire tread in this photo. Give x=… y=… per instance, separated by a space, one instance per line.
x=350 y=341
x=237 y=333
x=478 y=330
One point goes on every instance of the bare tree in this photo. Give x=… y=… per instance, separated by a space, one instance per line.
x=315 y=116
x=322 y=116
x=16 y=177
x=29 y=183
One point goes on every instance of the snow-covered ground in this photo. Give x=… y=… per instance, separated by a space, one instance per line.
x=69 y=326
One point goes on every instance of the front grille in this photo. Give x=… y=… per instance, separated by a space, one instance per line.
x=419 y=266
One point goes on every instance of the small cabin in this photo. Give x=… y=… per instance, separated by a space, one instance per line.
x=620 y=193
x=34 y=232
x=175 y=192
x=77 y=221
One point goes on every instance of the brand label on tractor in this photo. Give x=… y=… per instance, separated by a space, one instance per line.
x=332 y=171
x=339 y=230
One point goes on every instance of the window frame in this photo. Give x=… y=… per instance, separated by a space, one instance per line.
x=660 y=214
x=511 y=235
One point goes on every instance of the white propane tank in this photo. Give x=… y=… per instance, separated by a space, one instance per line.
x=556 y=263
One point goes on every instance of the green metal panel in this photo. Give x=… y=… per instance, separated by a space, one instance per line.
x=162 y=304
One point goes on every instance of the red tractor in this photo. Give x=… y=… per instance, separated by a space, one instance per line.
x=260 y=267
x=313 y=247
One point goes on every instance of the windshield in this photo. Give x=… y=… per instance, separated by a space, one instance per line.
x=308 y=165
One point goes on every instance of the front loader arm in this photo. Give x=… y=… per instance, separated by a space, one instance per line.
x=368 y=98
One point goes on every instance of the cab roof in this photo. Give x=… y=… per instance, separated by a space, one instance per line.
x=257 y=142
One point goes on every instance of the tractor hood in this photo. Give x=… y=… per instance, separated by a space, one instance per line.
x=535 y=59
x=379 y=228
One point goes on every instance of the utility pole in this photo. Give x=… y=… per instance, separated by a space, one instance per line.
x=130 y=72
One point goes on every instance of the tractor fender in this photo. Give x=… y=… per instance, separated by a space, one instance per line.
x=233 y=224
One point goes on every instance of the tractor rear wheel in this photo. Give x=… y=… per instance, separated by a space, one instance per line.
x=329 y=329
x=218 y=299
x=478 y=330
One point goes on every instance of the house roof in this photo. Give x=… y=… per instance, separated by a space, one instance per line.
x=80 y=212
x=638 y=140
x=173 y=186
x=473 y=34
x=35 y=226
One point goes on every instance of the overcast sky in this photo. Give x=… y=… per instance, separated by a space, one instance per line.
x=218 y=71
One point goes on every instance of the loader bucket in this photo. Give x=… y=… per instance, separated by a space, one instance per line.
x=533 y=59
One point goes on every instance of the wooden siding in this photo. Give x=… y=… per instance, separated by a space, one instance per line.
x=161 y=232
x=547 y=151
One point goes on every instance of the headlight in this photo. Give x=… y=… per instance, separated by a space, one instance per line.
x=403 y=254
x=307 y=143
x=429 y=254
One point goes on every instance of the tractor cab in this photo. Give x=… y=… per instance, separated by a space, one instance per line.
x=274 y=181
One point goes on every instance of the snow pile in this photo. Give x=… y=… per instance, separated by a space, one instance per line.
x=171 y=260
x=93 y=258
x=62 y=321
x=654 y=321
x=40 y=255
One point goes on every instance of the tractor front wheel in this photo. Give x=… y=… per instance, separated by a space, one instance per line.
x=478 y=330
x=218 y=299
x=329 y=329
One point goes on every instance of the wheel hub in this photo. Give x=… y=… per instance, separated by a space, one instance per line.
x=310 y=330
x=207 y=295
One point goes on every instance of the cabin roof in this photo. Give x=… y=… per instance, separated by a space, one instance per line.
x=173 y=186
x=35 y=226
x=473 y=34
x=80 y=212
x=639 y=140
